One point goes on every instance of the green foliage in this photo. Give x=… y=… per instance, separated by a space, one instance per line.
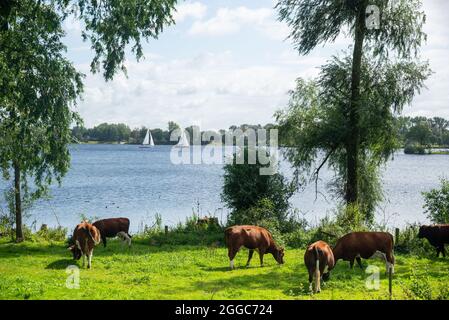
x=111 y=26
x=253 y=197
x=315 y=123
x=409 y=242
x=415 y=149
x=318 y=22
x=104 y=132
x=188 y=233
x=419 y=287
x=436 y=203
x=347 y=113
x=39 y=87
x=50 y=234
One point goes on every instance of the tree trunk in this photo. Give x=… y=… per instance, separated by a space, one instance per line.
x=18 y=203
x=353 y=141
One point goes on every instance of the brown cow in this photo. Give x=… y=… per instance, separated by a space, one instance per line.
x=317 y=258
x=437 y=235
x=357 y=245
x=85 y=236
x=113 y=227
x=253 y=238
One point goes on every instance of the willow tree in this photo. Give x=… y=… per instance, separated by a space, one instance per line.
x=39 y=86
x=400 y=35
x=316 y=122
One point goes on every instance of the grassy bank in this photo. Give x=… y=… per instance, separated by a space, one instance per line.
x=38 y=271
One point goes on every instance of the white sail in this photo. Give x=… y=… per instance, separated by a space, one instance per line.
x=151 y=140
x=183 y=141
x=147 y=138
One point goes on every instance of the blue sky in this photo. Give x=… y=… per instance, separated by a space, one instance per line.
x=227 y=62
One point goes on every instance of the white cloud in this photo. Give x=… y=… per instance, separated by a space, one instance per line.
x=231 y=20
x=186 y=10
x=210 y=88
x=217 y=89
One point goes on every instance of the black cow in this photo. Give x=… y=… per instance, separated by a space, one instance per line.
x=437 y=235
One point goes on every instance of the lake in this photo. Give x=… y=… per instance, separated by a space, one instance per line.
x=124 y=180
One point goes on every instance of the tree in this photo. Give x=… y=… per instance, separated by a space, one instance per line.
x=172 y=126
x=316 y=125
x=38 y=86
x=251 y=196
x=436 y=203
x=421 y=133
x=319 y=21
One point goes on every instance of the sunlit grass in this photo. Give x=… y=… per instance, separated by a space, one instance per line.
x=38 y=271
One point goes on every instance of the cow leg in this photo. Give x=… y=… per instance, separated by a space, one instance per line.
x=250 y=255
x=89 y=261
x=443 y=251
x=351 y=263
x=389 y=260
x=84 y=259
x=359 y=262
x=438 y=252
x=261 y=253
x=104 y=241
x=231 y=254
x=310 y=280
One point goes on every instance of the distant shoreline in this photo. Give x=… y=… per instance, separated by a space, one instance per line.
x=442 y=150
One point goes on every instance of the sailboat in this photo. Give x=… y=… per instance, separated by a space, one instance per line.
x=183 y=141
x=148 y=141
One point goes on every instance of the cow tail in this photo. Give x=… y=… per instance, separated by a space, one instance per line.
x=91 y=236
x=317 y=267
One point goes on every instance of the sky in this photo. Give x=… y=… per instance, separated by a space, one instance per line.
x=229 y=62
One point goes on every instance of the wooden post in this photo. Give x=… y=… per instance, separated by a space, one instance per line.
x=396 y=237
x=166 y=230
x=390 y=281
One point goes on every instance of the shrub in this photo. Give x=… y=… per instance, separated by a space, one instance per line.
x=187 y=233
x=414 y=149
x=252 y=196
x=300 y=238
x=51 y=234
x=409 y=242
x=436 y=203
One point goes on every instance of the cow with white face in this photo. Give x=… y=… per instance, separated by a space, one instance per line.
x=86 y=237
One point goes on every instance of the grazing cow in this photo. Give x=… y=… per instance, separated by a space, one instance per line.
x=110 y=228
x=253 y=238
x=437 y=235
x=357 y=245
x=317 y=258
x=85 y=236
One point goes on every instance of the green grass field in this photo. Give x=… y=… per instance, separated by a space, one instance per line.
x=38 y=271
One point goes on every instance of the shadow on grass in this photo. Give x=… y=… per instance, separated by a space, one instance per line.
x=60 y=264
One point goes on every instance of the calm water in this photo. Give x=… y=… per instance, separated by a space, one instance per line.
x=122 y=180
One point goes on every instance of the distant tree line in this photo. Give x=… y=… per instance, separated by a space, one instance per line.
x=122 y=133
x=423 y=133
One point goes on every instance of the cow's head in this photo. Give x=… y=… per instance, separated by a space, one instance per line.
x=279 y=255
x=422 y=231
x=76 y=251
